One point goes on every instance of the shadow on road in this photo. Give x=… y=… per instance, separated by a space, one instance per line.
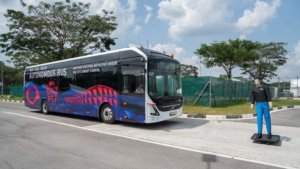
x=209 y=159
x=174 y=124
x=72 y=116
x=282 y=139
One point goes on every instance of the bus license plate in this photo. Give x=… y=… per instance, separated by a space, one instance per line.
x=173 y=113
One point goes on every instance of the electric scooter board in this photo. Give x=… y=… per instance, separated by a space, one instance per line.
x=264 y=139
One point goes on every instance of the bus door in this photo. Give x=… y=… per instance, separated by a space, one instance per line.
x=132 y=89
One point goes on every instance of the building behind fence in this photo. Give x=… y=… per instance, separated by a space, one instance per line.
x=295 y=87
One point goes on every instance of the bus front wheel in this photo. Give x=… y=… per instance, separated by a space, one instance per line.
x=44 y=107
x=107 y=114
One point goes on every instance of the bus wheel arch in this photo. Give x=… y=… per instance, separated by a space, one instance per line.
x=106 y=113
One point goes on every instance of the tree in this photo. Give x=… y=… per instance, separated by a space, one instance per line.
x=189 y=70
x=222 y=54
x=50 y=32
x=263 y=59
x=11 y=76
x=241 y=78
x=223 y=77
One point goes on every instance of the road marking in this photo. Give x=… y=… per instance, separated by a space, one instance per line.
x=152 y=142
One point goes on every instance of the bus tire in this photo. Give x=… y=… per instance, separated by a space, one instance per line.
x=44 y=107
x=107 y=114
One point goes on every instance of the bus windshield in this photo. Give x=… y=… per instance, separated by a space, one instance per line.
x=163 y=78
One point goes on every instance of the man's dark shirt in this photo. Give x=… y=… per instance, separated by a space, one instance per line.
x=260 y=94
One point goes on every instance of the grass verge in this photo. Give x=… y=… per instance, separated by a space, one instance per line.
x=9 y=97
x=238 y=108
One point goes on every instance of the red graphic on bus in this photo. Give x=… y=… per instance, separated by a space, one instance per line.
x=95 y=95
x=32 y=90
x=52 y=92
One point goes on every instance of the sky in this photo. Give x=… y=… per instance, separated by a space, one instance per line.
x=179 y=27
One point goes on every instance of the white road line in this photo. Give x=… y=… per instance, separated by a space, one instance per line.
x=152 y=142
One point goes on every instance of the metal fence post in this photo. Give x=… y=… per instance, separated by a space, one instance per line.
x=210 y=91
x=2 y=84
x=225 y=92
x=235 y=91
x=278 y=93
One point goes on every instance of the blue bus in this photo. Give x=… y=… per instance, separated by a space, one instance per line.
x=131 y=84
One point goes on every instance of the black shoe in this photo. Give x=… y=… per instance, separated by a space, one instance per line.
x=258 y=135
x=269 y=136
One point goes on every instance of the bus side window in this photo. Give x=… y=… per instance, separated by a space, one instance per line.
x=133 y=81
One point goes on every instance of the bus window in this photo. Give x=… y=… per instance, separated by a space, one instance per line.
x=84 y=81
x=64 y=84
x=133 y=81
x=107 y=77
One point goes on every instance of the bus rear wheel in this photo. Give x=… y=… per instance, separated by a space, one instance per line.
x=44 y=107
x=107 y=114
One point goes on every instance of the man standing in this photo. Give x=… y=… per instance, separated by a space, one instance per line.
x=261 y=97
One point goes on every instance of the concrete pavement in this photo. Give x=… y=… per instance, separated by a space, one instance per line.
x=220 y=137
x=181 y=143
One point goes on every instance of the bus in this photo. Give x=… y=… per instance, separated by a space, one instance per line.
x=131 y=84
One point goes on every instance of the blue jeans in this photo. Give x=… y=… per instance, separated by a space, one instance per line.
x=262 y=109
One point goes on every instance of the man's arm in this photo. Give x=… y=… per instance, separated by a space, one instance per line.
x=252 y=99
x=268 y=94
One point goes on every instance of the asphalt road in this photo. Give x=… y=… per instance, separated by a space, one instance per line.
x=290 y=118
x=32 y=143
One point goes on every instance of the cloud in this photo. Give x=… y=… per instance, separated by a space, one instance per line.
x=170 y=49
x=258 y=16
x=132 y=5
x=133 y=45
x=191 y=17
x=295 y=55
x=125 y=13
x=181 y=55
x=293 y=63
x=148 y=8
x=149 y=13
x=202 y=17
x=297 y=52
x=137 y=29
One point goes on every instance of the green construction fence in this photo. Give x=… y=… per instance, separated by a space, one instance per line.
x=14 y=91
x=211 y=91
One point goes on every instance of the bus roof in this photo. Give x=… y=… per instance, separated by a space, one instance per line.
x=92 y=55
x=142 y=51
